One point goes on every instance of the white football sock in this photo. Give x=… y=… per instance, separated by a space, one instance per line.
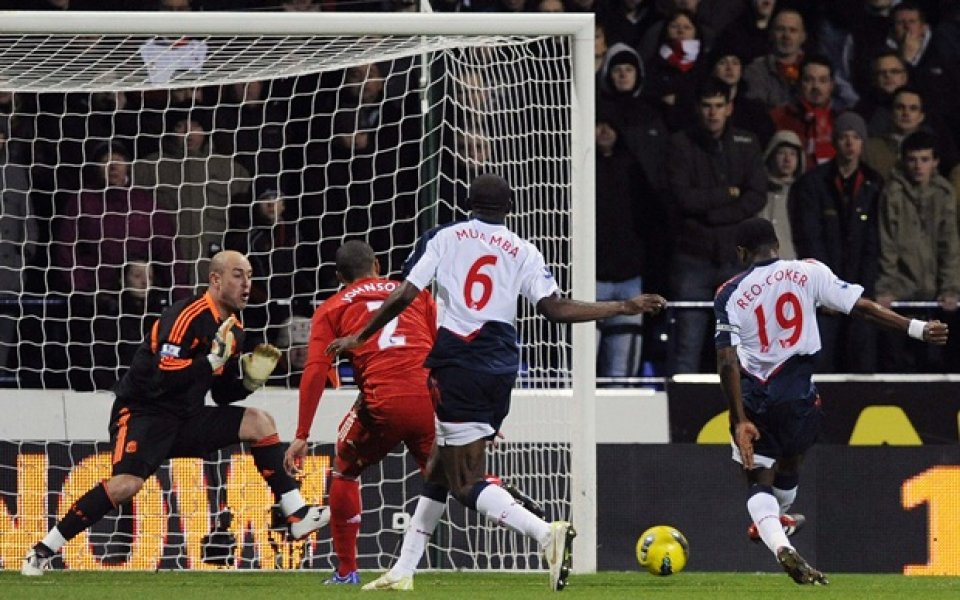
x=498 y=505
x=785 y=498
x=765 y=512
x=54 y=540
x=424 y=521
x=291 y=502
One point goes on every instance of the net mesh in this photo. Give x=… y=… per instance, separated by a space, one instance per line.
x=128 y=160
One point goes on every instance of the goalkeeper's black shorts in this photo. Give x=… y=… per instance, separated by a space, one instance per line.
x=142 y=440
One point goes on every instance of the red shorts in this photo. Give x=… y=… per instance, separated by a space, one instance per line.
x=367 y=434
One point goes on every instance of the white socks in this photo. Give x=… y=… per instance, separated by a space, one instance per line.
x=54 y=540
x=498 y=505
x=785 y=498
x=765 y=512
x=424 y=521
x=291 y=502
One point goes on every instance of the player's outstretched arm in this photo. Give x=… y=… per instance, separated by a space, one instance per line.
x=564 y=310
x=932 y=332
x=398 y=300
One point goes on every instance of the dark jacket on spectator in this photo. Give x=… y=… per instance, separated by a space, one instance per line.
x=104 y=229
x=701 y=171
x=842 y=234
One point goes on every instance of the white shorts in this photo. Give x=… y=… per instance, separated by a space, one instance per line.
x=461 y=434
x=759 y=460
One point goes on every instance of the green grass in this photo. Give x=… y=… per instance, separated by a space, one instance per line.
x=468 y=586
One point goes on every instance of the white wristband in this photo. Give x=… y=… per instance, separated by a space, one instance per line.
x=915 y=329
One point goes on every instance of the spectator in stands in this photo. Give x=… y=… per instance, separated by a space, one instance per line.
x=863 y=38
x=749 y=35
x=676 y=70
x=199 y=186
x=946 y=34
x=249 y=126
x=811 y=115
x=599 y=48
x=710 y=17
x=774 y=78
x=551 y=6
x=642 y=130
x=748 y=113
x=18 y=238
x=716 y=180
x=271 y=250
x=102 y=228
x=109 y=224
x=118 y=330
x=876 y=104
x=783 y=160
x=909 y=115
x=919 y=246
x=626 y=21
x=834 y=209
x=619 y=274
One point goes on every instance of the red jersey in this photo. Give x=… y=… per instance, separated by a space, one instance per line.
x=387 y=365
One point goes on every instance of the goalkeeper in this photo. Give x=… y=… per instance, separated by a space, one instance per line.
x=394 y=404
x=159 y=411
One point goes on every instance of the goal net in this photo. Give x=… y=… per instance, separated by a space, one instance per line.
x=136 y=145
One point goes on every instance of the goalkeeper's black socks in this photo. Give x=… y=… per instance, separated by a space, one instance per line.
x=268 y=457
x=86 y=511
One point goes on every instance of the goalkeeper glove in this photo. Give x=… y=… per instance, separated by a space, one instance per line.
x=258 y=365
x=221 y=348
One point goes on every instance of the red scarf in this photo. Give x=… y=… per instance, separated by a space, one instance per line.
x=818 y=121
x=679 y=57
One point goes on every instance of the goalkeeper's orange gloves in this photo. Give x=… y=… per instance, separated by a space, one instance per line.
x=258 y=365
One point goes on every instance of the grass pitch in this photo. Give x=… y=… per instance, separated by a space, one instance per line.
x=104 y=585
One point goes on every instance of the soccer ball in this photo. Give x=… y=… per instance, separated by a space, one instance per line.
x=663 y=550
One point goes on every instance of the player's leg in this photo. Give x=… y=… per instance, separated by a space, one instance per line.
x=359 y=444
x=416 y=427
x=222 y=426
x=141 y=443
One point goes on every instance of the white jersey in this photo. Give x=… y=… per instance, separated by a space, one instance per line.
x=769 y=312
x=481 y=269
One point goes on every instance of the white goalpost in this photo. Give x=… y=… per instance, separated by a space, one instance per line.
x=134 y=145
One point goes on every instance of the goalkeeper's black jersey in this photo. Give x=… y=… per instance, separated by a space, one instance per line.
x=170 y=370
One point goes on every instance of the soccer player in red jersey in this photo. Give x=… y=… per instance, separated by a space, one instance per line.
x=394 y=404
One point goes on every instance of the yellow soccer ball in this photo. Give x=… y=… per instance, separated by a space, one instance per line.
x=663 y=550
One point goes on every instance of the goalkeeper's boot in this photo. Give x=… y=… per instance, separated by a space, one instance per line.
x=558 y=552
x=307 y=520
x=798 y=569
x=389 y=581
x=37 y=561
x=351 y=578
x=791 y=523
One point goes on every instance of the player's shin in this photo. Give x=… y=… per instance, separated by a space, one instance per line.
x=268 y=458
x=765 y=512
x=345 y=521
x=785 y=490
x=89 y=509
x=498 y=505
x=430 y=508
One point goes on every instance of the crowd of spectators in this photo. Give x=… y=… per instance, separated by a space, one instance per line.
x=837 y=120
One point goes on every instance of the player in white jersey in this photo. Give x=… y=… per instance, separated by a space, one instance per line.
x=482 y=268
x=767 y=340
